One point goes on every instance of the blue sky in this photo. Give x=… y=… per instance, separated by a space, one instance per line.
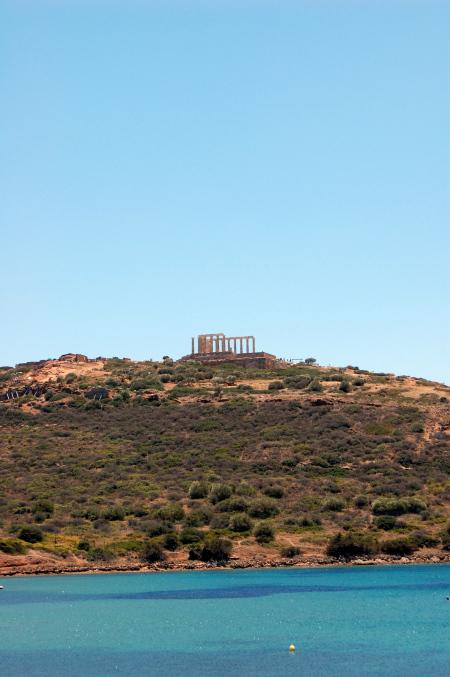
x=270 y=168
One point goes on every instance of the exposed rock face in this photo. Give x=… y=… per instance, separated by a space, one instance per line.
x=73 y=357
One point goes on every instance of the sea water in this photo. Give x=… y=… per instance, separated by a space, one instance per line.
x=388 y=620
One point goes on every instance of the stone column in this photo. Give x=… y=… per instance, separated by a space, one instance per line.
x=246 y=344
x=240 y=344
x=253 y=339
x=193 y=345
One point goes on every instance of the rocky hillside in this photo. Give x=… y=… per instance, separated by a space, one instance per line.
x=114 y=463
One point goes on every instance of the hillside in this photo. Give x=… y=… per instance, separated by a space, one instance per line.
x=118 y=464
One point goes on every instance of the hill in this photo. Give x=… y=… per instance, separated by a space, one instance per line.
x=111 y=463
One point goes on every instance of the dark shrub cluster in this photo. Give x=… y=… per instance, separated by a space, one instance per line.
x=153 y=552
x=398 y=546
x=11 y=546
x=351 y=544
x=31 y=534
x=264 y=532
x=386 y=522
x=213 y=549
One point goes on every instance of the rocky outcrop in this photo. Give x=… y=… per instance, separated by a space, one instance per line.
x=73 y=357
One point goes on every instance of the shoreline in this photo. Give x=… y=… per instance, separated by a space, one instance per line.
x=167 y=567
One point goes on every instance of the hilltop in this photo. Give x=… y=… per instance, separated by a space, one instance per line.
x=112 y=463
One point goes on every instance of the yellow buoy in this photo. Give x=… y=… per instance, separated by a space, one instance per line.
x=292 y=648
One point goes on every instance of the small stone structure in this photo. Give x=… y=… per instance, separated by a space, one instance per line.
x=217 y=348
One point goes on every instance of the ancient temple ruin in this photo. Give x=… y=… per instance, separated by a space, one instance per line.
x=218 y=348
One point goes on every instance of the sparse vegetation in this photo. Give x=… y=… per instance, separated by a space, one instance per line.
x=290 y=551
x=146 y=459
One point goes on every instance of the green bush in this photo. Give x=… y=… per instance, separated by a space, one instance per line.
x=190 y=535
x=155 y=528
x=345 y=386
x=233 y=504
x=115 y=513
x=145 y=384
x=333 y=504
x=219 y=492
x=297 y=382
x=99 y=555
x=398 y=506
x=195 y=552
x=198 y=490
x=170 y=541
x=220 y=521
x=446 y=541
x=12 y=546
x=276 y=385
x=386 y=522
x=43 y=507
x=417 y=427
x=240 y=523
x=263 y=508
x=216 y=549
x=173 y=512
x=198 y=517
x=274 y=491
x=398 y=546
x=245 y=489
x=153 y=552
x=31 y=534
x=264 y=532
x=422 y=539
x=351 y=544
x=309 y=521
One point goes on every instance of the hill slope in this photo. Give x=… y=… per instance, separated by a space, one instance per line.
x=109 y=461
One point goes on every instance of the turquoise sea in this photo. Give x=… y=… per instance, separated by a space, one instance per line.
x=389 y=620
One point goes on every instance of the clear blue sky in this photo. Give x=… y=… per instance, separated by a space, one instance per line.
x=270 y=168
